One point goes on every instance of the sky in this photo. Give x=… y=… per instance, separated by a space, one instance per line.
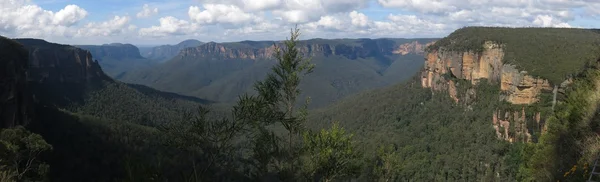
x=157 y=22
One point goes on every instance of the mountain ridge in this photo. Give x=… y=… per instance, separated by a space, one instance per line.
x=344 y=66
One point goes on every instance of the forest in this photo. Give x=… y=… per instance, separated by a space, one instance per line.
x=126 y=132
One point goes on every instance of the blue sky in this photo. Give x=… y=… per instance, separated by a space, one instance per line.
x=153 y=22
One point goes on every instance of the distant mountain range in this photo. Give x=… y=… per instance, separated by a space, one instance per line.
x=165 y=52
x=222 y=71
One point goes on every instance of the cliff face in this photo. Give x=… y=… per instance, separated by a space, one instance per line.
x=364 y=48
x=413 y=47
x=52 y=63
x=15 y=99
x=115 y=50
x=518 y=86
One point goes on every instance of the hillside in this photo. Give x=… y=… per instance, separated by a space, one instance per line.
x=222 y=71
x=165 y=52
x=483 y=108
x=85 y=115
x=117 y=59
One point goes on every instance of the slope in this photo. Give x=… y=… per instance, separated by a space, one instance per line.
x=481 y=109
x=222 y=71
x=100 y=129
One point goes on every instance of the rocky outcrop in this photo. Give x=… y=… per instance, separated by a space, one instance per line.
x=363 y=48
x=519 y=132
x=114 y=50
x=15 y=99
x=414 y=47
x=55 y=63
x=518 y=87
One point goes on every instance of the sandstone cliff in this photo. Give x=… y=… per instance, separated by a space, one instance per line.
x=51 y=63
x=517 y=87
x=362 y=48
x=15 y=99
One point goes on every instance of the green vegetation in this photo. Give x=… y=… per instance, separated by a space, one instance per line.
x=551 y=53
x=20 y=152
x=571 y=139
x=109 y=131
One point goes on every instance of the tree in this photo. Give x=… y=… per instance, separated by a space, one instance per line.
x=331 y=154
x=387 y=163
x=275 y=104
x=20 y=151
x=281 y=86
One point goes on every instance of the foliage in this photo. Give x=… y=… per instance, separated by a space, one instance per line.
x=436 y=139
x=571 y=138
x=567 y=50
x=331 y=154
x=388 y=164
x=20 y=152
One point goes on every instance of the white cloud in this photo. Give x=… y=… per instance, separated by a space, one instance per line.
x=260 y=5
x=70 y=15
x=220 y=13
x=359 y=19
x=302 y=11
x=169 y=26
x=231 y=20
x=21 y=19
x=117 y=25
x=147 y=11
x=549 y=21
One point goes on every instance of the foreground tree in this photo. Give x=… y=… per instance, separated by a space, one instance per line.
x=330 y=154
x=19 y=154
x=275 y=104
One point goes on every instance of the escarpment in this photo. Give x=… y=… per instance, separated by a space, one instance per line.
x=55 y=63
x=364 y=48
x=445 y=69
x=517 y=86
x=15 y=98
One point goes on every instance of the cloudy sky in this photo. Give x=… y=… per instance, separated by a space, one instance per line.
x=152 y=22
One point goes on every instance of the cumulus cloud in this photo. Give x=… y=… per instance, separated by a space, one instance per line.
x=302 y=11
x=260 y=5
x=220 y=13
x=169 y=26
x=117 y=25
x=248 y=19
x=70 y=15
x=359 y=19
x=19 y=18
x=147 y=11
x=548 y=13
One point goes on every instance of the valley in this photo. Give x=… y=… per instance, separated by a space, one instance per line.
x=481 y=104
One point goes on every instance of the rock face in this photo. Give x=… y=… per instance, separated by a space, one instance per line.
x=413 y=47
x=166 y=52
x=443 y=67
x=502 y=124
x=114 y=50
x=264 y=50
x=52 y=63
x=15 y=99
x=519 y=88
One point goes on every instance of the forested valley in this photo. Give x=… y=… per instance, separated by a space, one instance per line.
x=75 y=123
